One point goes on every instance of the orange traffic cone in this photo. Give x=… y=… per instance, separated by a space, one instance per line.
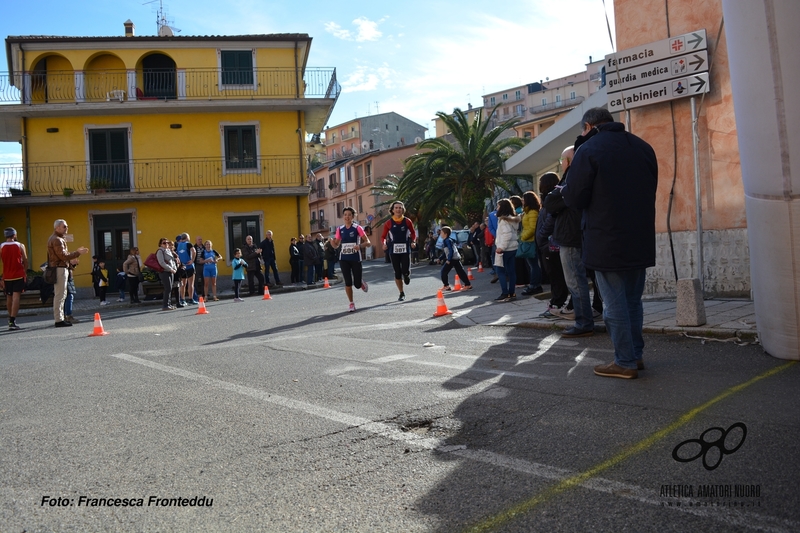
x=441 y=308
x=457 y=286
x=480 y=268
x=469 y=274
x=266 y=294
x=98 y=327
x=327 y=285
x=201 y=308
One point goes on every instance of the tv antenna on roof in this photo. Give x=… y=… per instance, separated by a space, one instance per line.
x=164 y=29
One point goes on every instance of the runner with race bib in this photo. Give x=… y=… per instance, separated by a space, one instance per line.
x=350 y=239
x=398 y=239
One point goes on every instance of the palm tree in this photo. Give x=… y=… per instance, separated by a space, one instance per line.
x=471 y=167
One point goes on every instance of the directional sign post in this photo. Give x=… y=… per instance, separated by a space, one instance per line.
x=658 y=72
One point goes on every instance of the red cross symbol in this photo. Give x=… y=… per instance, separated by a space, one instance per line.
x=677 y=45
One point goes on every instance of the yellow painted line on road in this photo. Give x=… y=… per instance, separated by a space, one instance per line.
x=495 y=521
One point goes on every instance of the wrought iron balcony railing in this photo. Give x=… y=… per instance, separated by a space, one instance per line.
x=571 y=102
x=180 y=84
x=148 y=175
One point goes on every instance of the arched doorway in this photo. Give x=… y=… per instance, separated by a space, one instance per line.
x=158 y=77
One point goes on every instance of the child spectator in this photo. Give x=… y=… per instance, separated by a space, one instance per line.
x=121 y=284
x=452 y=259
x=239 y=265
x=102 y=280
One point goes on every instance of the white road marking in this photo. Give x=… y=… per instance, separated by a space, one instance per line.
x=578 y=361
x=726 y=515
x=390 y=358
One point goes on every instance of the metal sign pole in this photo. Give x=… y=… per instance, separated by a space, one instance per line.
x=698 y=200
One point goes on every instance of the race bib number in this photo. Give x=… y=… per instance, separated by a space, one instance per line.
x=349 y=248
x=399 y=249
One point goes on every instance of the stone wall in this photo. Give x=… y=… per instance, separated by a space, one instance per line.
x=726 y=258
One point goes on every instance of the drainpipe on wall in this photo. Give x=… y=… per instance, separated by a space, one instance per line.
x=297 y=79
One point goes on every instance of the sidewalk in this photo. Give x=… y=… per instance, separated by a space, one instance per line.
x=85 y=304
x=725 y=318
x=730 y=319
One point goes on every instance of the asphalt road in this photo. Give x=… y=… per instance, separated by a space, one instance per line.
x=294 y=415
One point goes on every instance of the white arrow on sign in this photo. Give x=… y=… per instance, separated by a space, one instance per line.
x=665 y=69
x=658 y=92
x=649 y=53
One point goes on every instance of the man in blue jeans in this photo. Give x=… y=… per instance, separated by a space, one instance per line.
x=567 y=234
x=613 y=178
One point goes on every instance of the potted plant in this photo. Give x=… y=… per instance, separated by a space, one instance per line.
x=99 y=185
x=68 y=192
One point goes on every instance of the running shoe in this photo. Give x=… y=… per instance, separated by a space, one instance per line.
x=104 y=302
x=402 y=297
x=407 y=278
x=238 y=300
x=13 y=327
x=467 y=288
x=364 y=286
x=352 y=307
x=447 y=288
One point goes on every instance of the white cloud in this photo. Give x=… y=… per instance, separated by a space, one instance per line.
x=362 y=78
x=365 y=30
x=337 y=31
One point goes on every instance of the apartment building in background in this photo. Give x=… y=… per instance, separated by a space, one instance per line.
x=132 y=138
x=470 y=112
x=540 y=104
x=375 y=132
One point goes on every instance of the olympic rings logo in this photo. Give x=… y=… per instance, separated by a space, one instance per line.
x=707 y=446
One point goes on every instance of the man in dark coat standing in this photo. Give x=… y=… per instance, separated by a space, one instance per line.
x=250 y=254
x=613 y=179
x=268 y=255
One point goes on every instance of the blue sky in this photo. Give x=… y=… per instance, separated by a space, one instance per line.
x=412 y=57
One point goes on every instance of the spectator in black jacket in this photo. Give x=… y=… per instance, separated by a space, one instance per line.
x=295 y=258
x=310 y=253
x=548 y=250
x=269 y=257
x=250 y=254
x=613 y=179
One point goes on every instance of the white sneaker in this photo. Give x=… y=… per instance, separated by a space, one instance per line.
x=352 y=307
x=103 y=303
x=238 y=300
x=120 y=299
x=364 y=286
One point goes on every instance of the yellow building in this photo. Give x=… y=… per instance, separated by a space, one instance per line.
x=135 y=138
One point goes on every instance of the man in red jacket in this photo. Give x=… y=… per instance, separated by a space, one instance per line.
x=15 y=265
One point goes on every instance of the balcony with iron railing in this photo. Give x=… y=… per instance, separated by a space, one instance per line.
x=571 y=102
x=71 y=87
x=316 y=194
x=149 y=176
x=350 y=135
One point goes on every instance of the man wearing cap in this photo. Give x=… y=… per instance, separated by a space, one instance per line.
x=15 y=265
x=58 y=256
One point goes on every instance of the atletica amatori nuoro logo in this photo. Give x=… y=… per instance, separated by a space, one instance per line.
x=712 y=451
